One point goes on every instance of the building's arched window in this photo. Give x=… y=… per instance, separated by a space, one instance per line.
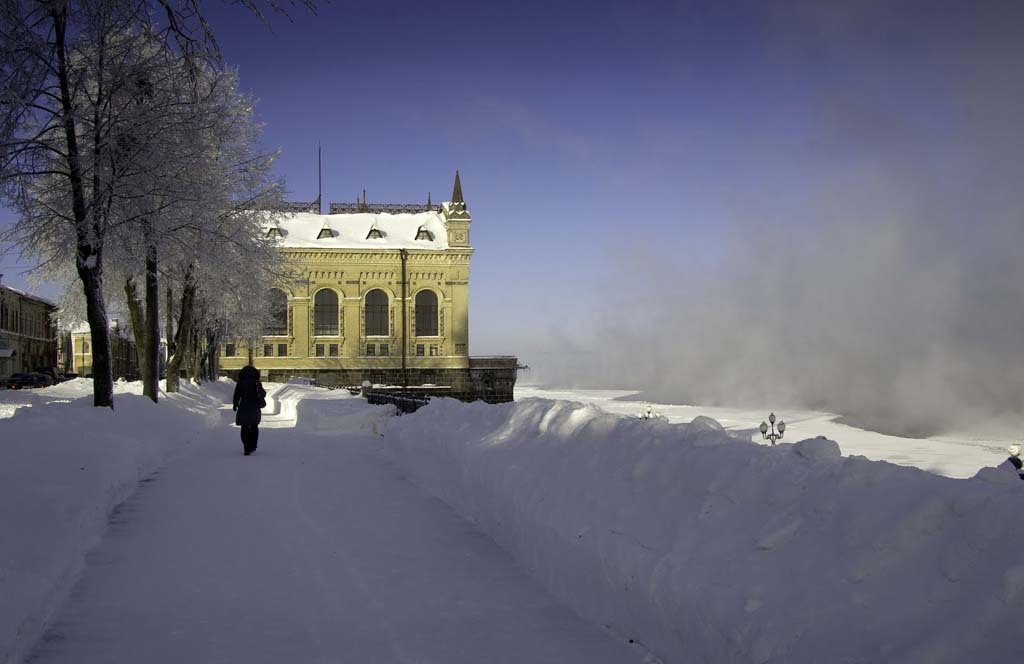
x=426 y=314
x=278 y=324
x=325 y=313
x=376 y=313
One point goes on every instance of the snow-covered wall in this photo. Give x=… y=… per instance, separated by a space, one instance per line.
x=704 y=547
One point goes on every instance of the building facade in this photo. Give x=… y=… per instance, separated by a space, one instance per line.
x=380 y=293
x=27 y=332
x=124 y=360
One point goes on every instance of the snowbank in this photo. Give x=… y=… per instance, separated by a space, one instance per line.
x=314 y=410
x=708 y=548
x=66 y=467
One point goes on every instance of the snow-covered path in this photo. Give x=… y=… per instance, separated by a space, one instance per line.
x=315 y=549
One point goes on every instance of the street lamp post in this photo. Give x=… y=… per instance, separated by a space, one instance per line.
x=772 y=436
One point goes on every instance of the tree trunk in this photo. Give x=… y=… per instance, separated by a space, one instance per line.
x=151 y=370
x=96 y=313
x=131 y=294
x=183 y=333
x=204 y=362
x=213 y=353
x=170 y=321
x=194 y=357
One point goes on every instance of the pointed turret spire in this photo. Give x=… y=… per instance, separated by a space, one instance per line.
x=457 y=192
x=430 y=206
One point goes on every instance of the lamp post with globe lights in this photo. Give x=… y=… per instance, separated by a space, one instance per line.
x=772 y=436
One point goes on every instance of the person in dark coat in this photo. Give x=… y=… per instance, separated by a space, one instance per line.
x=249 y=399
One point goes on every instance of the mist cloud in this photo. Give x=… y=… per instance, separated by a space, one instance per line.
x=893 y=292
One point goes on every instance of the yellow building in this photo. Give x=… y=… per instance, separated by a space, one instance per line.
x=27 y=335
x=380 y=294
x=124 y=361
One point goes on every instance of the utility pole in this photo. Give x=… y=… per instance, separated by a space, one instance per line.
x=405 y=328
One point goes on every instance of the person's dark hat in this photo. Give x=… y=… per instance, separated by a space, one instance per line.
x=249 y=372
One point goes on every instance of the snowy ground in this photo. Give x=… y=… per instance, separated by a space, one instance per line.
x=952 y=455
x=540 y=531
x=315 y=549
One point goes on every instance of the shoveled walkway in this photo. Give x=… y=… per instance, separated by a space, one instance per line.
x=315 y=549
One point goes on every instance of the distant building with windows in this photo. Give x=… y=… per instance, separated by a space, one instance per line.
x=124 y=360
x=381 y=294
x=27 y=333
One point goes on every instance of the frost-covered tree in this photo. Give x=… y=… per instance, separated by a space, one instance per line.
x=80 y=82
x=199 y=202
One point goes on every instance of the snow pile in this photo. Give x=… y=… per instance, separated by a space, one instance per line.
x=316 y=411
x=705 y=547
x=953 y=454
x=66 y=467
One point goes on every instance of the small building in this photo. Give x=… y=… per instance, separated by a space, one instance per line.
x=380 y=293
x=27 y=332
x=124 y=360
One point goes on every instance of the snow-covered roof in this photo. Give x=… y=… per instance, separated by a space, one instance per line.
x=353 y=231
x=114 y=324
x=29 y=296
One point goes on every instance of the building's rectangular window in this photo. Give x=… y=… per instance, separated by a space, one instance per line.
x=426 y=313
x=319 y=350
x=433 y=350
x=282 y=350
x=268 y=350
x=229 y=350
x=333 y=350
x=370 y=350
x=85 y=346
x=384 y=350
x=419 y=350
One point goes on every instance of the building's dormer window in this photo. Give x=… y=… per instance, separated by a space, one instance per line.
x=273 y=231
x=374 y=234
x=325 y=233
x=423 y=234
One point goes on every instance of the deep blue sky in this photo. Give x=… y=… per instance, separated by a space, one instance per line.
x=598 y=140
x=590 y=135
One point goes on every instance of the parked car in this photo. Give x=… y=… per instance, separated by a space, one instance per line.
x=24 y=381
x=68 y=376
x=15 y=380
x=52 y=372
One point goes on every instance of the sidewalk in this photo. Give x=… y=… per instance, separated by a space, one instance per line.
x=315 y=549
